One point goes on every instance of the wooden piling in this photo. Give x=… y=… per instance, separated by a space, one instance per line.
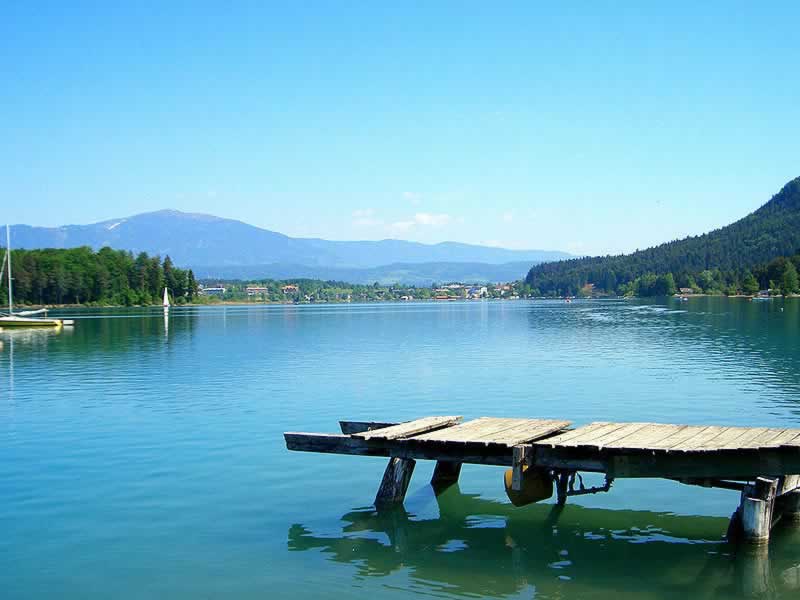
x=562 y=485
x=445 y=474
x=756 y=510
x=394 y=484
x=788 y=502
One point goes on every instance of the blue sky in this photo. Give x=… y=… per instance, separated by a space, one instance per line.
x=600 y=127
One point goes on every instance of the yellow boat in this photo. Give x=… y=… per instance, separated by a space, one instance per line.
x=18 y=321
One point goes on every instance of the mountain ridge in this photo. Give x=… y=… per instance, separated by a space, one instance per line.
x=417 y=274
x=771 y=231
x=198 y=240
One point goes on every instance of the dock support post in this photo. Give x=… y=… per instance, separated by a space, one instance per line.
x=394 y=484
x=788 y=502
x=445 y=474
x=755 y=511
x=562 y=485
x=790 y=505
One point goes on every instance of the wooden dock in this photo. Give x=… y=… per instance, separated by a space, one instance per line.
x=762 y=463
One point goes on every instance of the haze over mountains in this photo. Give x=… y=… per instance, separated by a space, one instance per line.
x=226 y=248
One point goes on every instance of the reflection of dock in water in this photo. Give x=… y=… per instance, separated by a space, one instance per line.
x=762 y=463
x=488 y=548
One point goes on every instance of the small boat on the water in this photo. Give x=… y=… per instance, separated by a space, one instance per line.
x=165 y=302
x=25 y=318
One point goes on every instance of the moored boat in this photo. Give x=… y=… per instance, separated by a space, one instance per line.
x=25 y=318
x=17 y=321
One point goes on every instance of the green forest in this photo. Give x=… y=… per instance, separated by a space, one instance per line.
x=756 y=252
x=82 y=276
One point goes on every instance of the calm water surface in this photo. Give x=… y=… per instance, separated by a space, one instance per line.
x=144 y=459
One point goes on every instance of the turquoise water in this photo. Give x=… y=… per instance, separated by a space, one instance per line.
x=145 y=459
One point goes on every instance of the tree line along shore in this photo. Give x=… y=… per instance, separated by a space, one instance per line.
x=779 y=276
x=108 y=277
x=81 y=276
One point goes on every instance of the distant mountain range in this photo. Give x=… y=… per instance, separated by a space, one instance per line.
x=404 y=273
x=226 y=248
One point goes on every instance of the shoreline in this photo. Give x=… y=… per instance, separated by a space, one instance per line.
x=418 y=301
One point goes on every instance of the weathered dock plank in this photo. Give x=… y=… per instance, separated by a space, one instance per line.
x=490 y=430
x=526 y=431
x=647 y=436
x=698 y=442
x=574 y=436
x=795 y=441
x=471 y=430
x=409 y=429
x=769 y=437
x=676 y=438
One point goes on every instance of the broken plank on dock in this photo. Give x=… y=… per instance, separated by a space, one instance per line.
x=351 y=427
x=408 y=429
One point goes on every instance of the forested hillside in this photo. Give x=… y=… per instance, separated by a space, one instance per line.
x=79 y=275
x=717 y=261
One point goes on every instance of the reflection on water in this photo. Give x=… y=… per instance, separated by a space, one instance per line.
x=143 y=457
x=483 y=548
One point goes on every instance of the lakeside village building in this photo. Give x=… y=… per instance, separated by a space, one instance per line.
x=212 y=291
x=256 y=291
x=465 y=291
x=450 y=291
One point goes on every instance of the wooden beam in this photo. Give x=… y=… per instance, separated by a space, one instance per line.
x=394 y=484
x=518 y=465
x=789 y=505
x=351 y=427
x=562 y=486
x=712 y=483
x=742 y=465
x=788 y=484
x=332 y=443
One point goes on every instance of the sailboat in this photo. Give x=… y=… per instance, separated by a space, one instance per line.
x=165 y=304
x=25 y=318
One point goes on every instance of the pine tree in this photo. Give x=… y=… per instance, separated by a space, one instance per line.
x=191 y=285
x=789 y=282
x=749 y=284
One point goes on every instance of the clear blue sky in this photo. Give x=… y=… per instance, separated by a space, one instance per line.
x=602 y=127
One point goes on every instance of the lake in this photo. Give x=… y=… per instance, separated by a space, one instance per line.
x=144 y=458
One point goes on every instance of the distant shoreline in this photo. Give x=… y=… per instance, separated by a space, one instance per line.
x=414 y=301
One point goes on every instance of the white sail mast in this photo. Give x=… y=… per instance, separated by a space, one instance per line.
x=8 y=254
